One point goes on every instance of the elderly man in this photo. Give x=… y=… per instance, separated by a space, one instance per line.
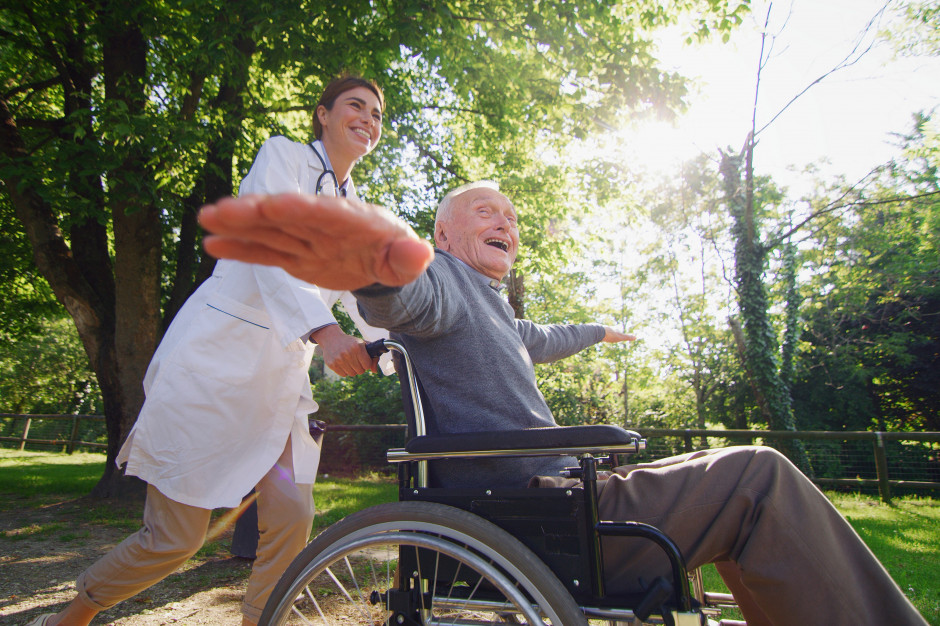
x=787 y=554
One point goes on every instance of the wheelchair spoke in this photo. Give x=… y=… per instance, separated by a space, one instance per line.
x=355 y=580
x=315 y=604
x=424 y=573
x=342 y=588
x=433 y=588
x=301 y=615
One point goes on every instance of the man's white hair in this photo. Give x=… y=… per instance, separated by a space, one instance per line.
x=446 y=206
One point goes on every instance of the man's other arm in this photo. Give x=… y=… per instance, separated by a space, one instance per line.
x=550 y=342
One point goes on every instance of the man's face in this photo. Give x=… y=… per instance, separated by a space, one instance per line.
x=481 y=231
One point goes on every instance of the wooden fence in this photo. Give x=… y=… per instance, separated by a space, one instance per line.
x=12 y=432
x=883 y=460
x=913 y=455
x=55 y=437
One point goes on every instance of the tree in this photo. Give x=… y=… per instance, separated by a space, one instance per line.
x=689 y=260
x=872 y=336
x=118 y=120
x=579 y=389
x=758 y=345
x=755 y=334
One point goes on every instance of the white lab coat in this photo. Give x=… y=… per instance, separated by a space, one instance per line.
x=229 y=381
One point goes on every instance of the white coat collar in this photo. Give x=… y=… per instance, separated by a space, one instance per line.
x=321 y=161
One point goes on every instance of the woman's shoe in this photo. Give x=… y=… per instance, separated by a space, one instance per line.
x=42 y=620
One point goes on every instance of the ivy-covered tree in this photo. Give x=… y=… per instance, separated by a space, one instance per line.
x=754 y=332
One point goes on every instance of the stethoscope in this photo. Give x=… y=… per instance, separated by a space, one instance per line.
x=326 y=172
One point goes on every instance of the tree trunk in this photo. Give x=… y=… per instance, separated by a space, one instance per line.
x=791 y=333
x=758 y=338
x=138 y=253
x=700 y=396
x=627 y=423
x=517 y=293
x=90 y=305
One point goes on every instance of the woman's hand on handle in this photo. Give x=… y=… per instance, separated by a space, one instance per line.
x=342 y=353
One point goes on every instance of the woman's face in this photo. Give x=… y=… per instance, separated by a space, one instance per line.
x=354 y=124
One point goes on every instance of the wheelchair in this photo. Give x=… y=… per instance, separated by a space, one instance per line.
x=482 y=556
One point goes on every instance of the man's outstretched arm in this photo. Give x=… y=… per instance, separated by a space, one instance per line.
x=612 y=335
x=331 y=242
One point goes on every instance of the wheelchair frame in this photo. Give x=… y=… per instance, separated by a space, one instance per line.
x=546 y=531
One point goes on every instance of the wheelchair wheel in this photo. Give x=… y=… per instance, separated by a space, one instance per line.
x=418 y=563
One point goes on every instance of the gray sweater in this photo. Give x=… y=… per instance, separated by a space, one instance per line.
x=475 y=361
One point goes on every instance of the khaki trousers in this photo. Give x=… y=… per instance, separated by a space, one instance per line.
x=172 y=532
x=790 y=551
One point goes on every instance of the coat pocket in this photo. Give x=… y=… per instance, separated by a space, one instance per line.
x=228 y=342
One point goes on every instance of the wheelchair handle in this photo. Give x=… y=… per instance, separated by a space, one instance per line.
x=375 y=349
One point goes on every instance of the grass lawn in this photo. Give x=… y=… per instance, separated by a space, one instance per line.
x=904 y=536
x=37 y=479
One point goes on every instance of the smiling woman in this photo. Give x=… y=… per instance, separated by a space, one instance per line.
x=228 y=392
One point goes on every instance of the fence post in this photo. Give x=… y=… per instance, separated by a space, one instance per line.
x=74 y=434
x=688 y=439
x=881 y=464
x=29 y=420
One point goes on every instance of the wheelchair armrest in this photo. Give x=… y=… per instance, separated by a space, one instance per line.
x=596 y=436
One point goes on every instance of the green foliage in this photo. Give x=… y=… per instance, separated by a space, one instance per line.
x=337 y=498
x=849 y=305
x=364 y=399
x=46 y=371
x=584 y=388
x=870 y=351
x=662 y=244
x=25 y=296
x=758 y=342
x=918 y=33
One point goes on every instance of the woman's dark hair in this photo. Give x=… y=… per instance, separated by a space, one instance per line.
x=340 y=86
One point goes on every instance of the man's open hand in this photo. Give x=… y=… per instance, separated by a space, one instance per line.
x=612 y=335
x=331 y=242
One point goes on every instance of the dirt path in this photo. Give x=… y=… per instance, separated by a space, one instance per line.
x=43 y=550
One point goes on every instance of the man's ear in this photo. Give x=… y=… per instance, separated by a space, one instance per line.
x=440 y=237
